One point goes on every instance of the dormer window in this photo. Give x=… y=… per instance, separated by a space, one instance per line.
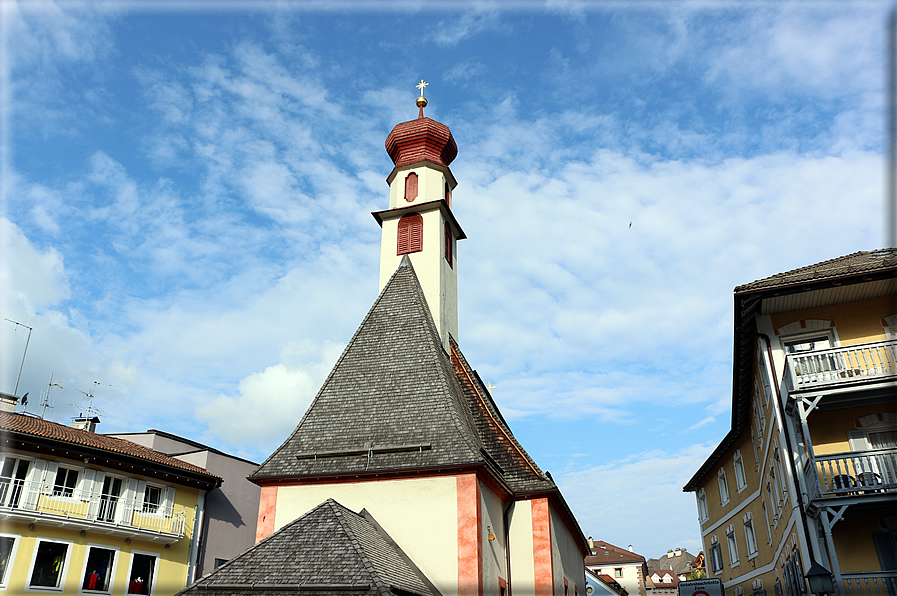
x=411 y=187
x=411 y=234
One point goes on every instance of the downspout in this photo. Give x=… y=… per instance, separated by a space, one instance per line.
x=506 y=516
x=199 y=513
x=780 y=411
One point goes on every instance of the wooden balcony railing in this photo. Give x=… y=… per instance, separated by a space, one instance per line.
x=841 y=365
x=872 y=583
x=21 y=498
x=854 y=473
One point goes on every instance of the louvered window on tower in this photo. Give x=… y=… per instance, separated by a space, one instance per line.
x=411 y=234
x=411 y=187
x=448 y=243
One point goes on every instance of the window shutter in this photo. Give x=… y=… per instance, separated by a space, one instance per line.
x=85 y=485
x=168 y=501
x=52 y=468
x=411 y=187
x=448 y=243
x=140 y=493
x=410 y=234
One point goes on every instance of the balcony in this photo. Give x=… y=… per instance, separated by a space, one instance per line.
x=844 y=365
x=873 y=583
x=33 y=502
x=854 y=473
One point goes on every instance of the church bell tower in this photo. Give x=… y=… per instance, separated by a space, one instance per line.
x=419 y=223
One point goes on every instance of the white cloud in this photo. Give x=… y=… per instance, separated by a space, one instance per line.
x=644 y=489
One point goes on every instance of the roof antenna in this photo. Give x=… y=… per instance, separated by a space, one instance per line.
x=92 y=411
x=45 y=402
x=17 y=324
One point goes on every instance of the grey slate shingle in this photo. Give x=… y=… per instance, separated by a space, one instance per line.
x=328 y=545
x=395 y=385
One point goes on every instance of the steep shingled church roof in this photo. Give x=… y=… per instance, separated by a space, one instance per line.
x=395 y=401
x=329 y=550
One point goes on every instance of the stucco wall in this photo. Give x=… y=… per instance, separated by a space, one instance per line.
x=420 y=514
x=567 y=558
x=523 y=580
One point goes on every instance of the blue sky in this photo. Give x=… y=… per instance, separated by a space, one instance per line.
x=187 y=186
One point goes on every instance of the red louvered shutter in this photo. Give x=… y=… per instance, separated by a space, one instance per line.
x=448 y=243
x=411 y=187
x=411 y=234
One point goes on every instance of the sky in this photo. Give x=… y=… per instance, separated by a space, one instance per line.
x=187 y=186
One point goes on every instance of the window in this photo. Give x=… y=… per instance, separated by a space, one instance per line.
x=219 y=562
x=618 y=572
x=142 y=573
x=749 y=537
x=152 y=498
x=795 y=585
x=66 y=479
x=733 y=546
x=12 y=481
x=8 y=546
x=781 y=473
x=411 y=187
x=764 y=379
x=448 y=195
x=411 y=234
x=716 y=555
x=448 y=243
x=50 y=561
x=768 y=531
x=723 y=487
x=740 y=480
x=703 y=514
x=98 y=569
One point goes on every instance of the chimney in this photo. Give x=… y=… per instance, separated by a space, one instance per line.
x=8 y=402
x=88 y=424
x=591 y=542
x=630 y=548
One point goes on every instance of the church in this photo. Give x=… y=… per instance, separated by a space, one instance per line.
x=403 y=477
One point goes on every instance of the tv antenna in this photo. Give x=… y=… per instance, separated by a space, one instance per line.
x=92 y=411
x=45 y=402
x=17 y=324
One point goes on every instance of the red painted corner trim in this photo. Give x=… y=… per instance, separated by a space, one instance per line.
x=267 y=507
x=470 y=560
x=542 y=552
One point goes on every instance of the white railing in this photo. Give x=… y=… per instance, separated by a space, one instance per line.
x=872 y=583
x=38 y=499
x=853 y=473
x=841 y=365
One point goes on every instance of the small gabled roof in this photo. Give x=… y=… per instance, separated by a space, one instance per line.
x=608 y=554
x=329 y=550
x=391 y=403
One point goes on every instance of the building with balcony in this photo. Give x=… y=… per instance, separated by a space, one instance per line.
x=808 y=471
x=229 y=511
x=83 y=513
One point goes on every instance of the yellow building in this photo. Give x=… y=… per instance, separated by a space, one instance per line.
x=83 y=513
x=808 y=472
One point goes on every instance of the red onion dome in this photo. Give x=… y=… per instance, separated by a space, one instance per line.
x=421 y=140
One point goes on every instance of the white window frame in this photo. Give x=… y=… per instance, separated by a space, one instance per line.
x=16 y=539
x=723 y=487
x=75 y=496
x=750 y=536
x=62 y=573
x=703 y=512
x=740 y=476
x=764 y=374
x=90 y=545
x=779 y=466
x=158 y=558
x=732 y=543
x=768 y=529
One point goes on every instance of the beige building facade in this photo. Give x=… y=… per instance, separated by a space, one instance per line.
x=806 y=474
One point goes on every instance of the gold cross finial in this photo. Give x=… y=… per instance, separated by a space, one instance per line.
x=490 y=386
x=421 y=101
